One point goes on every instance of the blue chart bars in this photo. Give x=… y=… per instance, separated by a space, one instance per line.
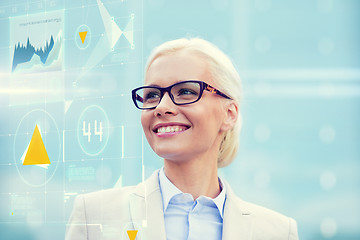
x=36 y=42
x=24 y=54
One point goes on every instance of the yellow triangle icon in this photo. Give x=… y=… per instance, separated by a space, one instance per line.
x=83 y=36
x=36 y=153
x=132 y=234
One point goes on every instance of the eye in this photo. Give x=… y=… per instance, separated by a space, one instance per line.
x=152 y=95
x=187 y=91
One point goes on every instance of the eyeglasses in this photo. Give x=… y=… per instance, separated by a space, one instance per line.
x=181 y=93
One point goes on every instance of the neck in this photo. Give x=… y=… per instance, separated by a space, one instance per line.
x=196 y=177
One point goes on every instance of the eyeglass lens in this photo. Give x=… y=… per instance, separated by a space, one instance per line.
x=182 y=93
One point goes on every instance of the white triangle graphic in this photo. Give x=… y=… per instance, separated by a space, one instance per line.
x=116 y=33
x=23 y=156
x=66 y=106
x=112 y=30
x=118 y=183
x=129 y=30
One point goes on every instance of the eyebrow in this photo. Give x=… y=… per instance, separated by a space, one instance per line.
x=152 y=85
x=191 y=79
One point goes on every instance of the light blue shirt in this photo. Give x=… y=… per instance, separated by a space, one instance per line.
x=189 y=219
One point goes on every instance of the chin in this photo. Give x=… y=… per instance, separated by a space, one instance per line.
x=168 y=152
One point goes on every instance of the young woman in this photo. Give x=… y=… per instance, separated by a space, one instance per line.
x=190 y=116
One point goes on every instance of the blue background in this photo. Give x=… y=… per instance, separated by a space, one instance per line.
x=300 y=143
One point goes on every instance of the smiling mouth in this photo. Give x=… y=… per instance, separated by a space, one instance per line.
x=171 y=129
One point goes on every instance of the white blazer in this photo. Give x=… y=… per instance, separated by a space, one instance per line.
x=109 y=214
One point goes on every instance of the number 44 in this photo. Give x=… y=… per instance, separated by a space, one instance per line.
x=88 y=132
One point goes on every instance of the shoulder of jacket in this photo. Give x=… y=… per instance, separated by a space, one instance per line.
x=263 y=211
x=267 y=222
x=108 y=194
x=260 y=213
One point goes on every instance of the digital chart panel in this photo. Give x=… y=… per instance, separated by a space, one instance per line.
x=37 y=57
x=67 y=69
x=37 y=42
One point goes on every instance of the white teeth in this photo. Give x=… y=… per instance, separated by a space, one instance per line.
x=170 y=129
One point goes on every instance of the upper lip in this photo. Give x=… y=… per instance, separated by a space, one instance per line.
x=159 y=125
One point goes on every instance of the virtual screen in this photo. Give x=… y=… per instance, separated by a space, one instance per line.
x=68 y=124
x=68 y=67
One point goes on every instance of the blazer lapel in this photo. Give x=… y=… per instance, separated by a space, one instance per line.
x=238 y=222
x=146 y=207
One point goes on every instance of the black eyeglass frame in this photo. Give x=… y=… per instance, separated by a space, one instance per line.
x=203 y=86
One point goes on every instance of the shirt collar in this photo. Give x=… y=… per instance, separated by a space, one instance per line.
x=169 y=190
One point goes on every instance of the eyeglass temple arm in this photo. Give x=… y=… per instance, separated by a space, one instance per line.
x=139 y=98
x=214 y=90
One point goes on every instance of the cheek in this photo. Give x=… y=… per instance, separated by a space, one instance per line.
x=205 y=118
x=214 y=115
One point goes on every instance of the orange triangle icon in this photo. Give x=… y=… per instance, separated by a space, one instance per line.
x=36 y=153
x=132 y=234
x=83 y=36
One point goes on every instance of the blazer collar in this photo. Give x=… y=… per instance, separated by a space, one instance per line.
x=238 y=222
x=146 y=206
x=169 y=190
x=146 y=209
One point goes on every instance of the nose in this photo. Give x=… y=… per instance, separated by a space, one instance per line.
x=165 y=106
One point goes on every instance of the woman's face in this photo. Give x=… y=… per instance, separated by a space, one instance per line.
x=195 y=129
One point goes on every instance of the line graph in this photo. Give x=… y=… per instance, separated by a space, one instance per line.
x=37 y=42
x=24 y=53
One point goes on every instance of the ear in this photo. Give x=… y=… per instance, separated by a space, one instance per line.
x=231 y=116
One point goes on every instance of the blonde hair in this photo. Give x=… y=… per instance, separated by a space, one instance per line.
x=225 y=76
